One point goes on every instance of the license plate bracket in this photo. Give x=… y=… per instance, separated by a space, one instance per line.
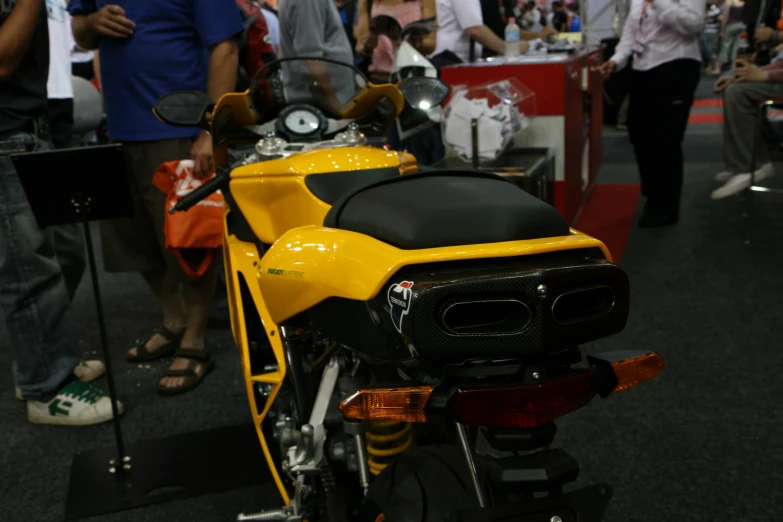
x=584 y=505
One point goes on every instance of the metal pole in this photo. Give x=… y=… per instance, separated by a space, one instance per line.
x=463 y=440
x=583 y=21
x=361 y=456
x=474 y=142
x=121 y=462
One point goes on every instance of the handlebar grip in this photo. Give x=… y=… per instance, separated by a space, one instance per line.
x=199 y=194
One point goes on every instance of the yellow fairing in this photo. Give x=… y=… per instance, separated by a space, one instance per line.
x=273 y=195
x=311 y=264
x=242 y=258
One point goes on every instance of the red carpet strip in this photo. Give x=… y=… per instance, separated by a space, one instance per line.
x=609 y=216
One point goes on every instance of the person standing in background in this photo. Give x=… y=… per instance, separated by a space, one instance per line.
x=81 y=59
x=732 y=26
x=532 y=18
x=710 y=37
x=154 y=48
x=662 y=36
x=59 y=107
x=314 y=28
x=379 y=46
x=559 y=17
x=273 y=25
x=40 y=270
x=462 y=31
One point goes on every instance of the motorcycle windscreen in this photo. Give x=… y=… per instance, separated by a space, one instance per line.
x=326 y=84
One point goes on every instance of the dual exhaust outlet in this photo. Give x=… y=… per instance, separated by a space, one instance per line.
x=506 y=316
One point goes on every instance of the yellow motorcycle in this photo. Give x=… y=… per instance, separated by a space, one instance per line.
x=408 y=338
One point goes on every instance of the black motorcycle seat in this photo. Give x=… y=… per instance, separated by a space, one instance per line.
x=442 y=208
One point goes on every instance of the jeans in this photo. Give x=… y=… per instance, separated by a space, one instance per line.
x=730 y=44
x=39 y=273
x=707 y=53
x=740 y=109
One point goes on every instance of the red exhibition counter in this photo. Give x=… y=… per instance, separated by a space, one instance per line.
x=568 y=118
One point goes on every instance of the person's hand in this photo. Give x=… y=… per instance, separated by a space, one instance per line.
x=723 y=83
x=748 y=72
x=764 y=34
x=546 y=32
x=201 y=154
x=369 y=44
x=523 y=47
x=778 y=49
x=606 y=69
x=111 y=21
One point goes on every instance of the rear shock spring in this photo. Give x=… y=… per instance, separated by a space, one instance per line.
x=385 y=440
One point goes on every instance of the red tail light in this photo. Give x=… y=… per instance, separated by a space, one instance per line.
x=522 y=405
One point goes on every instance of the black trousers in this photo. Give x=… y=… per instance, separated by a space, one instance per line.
x=658 y=111
x=59 y=113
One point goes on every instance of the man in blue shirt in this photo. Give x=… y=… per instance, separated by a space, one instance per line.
x=149 y=48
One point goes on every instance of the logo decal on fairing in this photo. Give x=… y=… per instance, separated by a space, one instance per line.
x=399 y=297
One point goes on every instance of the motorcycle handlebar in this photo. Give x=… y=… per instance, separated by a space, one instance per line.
x=201 y=193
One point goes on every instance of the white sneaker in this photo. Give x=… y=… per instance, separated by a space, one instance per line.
x=723 y=176
x=740 y=182
x=78 y=404
x=86 y=371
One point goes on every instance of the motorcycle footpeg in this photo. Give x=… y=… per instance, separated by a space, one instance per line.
x=305 y=446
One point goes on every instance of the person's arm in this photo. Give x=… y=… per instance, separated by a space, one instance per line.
x=486 y=37
x=622 y=53
x=96 y=68
x=361 y=31
x=222 y=72
x=683 y=16
x=217 y=23
x=15 y=35
x=89 y=25
x=429 y=42
x=724 y=17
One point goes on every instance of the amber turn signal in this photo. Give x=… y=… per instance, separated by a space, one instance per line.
x=636 y=370
x=397 y=404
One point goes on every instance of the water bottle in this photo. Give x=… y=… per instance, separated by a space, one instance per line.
x=512 y=39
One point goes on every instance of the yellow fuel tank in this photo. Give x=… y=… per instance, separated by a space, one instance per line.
x=277 y=196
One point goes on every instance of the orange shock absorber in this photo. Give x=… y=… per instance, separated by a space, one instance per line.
x=385 y=440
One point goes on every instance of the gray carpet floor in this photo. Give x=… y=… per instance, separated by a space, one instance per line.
x=700 y=443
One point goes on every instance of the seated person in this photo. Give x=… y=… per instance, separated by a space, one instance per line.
x=748 y=86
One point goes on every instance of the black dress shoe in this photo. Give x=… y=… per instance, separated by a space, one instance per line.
x=657 y=216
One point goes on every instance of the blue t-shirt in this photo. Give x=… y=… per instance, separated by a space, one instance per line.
x=167 y=52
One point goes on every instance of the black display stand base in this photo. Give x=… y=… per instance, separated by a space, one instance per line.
x=163 y=470
x=90 y=184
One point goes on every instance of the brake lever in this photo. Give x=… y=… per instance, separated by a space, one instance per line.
x=193 y=198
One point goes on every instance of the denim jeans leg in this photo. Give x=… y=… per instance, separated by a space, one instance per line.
x=68 y=241
x=33 y=295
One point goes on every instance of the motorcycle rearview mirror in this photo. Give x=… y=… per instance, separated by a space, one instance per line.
x=422 y=92
x=185 y=109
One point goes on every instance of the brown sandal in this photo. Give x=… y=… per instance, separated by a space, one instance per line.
x=144 y=355
x=192 y=379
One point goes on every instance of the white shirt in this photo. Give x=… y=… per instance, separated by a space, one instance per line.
x=61 y=42
x=454 y=18
x=533 y=18
x=273 y=24
x=670 y=31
